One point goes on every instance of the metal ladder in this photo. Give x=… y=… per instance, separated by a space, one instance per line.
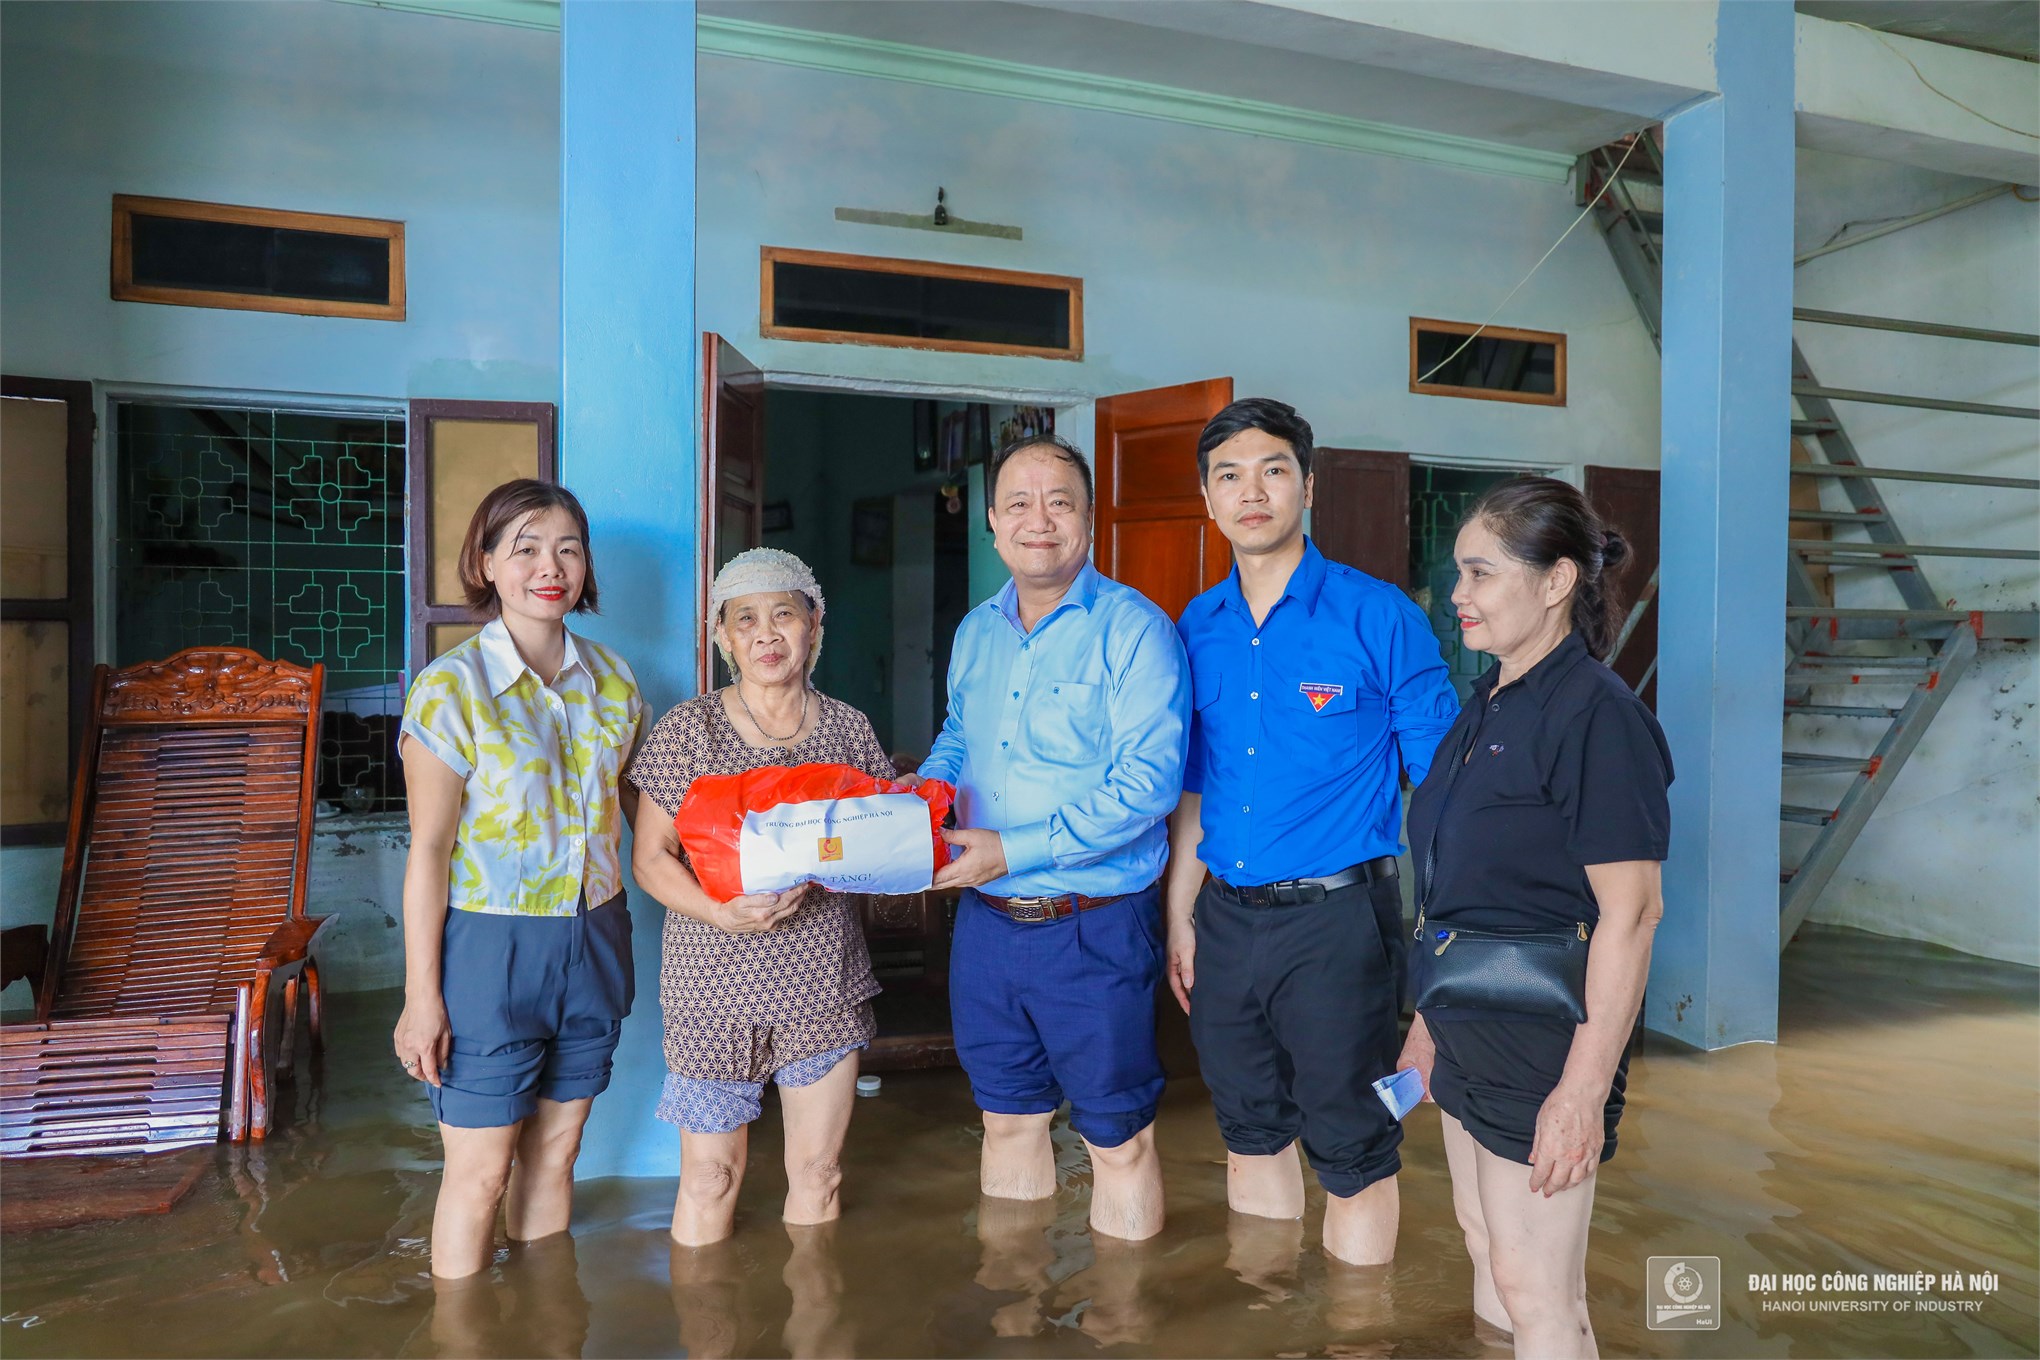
x=1889 y=670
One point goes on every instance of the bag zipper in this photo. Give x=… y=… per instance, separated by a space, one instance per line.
x=1446 y=937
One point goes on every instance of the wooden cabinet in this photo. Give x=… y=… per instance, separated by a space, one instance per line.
x=909 y=941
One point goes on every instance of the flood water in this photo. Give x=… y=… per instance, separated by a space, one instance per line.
x=1894 y=1130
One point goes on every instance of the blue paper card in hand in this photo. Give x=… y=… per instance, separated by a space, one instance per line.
x=1402 y=1091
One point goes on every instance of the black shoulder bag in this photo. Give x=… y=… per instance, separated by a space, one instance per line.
x=1529 y=971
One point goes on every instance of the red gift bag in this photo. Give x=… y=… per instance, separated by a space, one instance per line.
x=711 y=816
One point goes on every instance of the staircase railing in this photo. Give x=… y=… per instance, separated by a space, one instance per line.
x=1816 y=630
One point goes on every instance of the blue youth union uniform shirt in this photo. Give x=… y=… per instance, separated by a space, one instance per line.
x=1303 y=724
x=1068 y=739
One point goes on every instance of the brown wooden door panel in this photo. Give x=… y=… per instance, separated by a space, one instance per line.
x=1360 y=514
x=1627 y=501
x=459 y=451
x=46 y=600
x=1153 y=532
x=732 y=473
x=1171 y=556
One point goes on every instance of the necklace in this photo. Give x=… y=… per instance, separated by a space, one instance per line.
x=804 y=692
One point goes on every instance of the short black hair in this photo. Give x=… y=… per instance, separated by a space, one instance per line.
x=1060 y=447
x=512 y=504
x=1265 y=414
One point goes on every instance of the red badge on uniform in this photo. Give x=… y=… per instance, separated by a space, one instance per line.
x=1320 y=694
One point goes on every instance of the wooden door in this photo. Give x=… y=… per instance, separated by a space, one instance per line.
x=1627 y=501
x=1360 y=512
x=1153 y=532
x=732 y=473
x=46 y=617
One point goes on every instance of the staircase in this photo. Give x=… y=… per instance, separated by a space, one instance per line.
x=1868 y=680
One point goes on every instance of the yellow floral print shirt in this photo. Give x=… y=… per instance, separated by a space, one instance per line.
x=539 y=820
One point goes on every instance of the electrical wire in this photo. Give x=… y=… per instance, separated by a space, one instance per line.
x=1606 y=184
x=1935 y=88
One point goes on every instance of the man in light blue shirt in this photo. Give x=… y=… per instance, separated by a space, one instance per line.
x=1069 y=707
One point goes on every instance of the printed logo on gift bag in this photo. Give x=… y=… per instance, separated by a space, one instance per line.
x=811 y=842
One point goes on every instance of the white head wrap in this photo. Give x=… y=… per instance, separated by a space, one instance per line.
x=764 y=571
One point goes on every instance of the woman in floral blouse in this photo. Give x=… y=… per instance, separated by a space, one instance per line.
x=517 y=968
x=766 y=986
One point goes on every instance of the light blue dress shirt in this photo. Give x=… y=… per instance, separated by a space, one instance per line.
x=1069 y=739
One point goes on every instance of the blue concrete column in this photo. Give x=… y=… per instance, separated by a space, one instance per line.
x=627 y=446
x=1727 y=432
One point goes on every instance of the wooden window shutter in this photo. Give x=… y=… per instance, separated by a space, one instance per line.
x=459 y=452
x=1361 y=515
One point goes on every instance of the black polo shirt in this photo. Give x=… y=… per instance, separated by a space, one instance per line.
x=1561 y=769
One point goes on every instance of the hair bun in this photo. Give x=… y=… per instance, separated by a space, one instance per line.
x=1614 y=550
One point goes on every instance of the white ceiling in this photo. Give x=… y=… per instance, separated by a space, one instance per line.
x=1231 y=48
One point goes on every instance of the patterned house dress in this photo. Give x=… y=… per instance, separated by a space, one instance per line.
x=741 y=1009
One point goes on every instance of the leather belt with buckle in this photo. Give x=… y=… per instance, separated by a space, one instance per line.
x=1045 y=908
x=1292 y=892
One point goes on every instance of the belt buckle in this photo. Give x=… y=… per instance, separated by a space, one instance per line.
x=1032 y=909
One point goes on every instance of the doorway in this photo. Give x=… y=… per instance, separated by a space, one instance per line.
x=883 y=496
x=850 y=487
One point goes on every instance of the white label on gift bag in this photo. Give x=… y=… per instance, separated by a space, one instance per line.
x=879 y=843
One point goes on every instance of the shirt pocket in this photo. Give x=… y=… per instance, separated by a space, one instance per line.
x=1311 y=714
x=1206 y=685
x=599 y=750
x=1066 y=723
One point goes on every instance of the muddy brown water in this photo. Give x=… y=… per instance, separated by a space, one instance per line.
x=1894 y=1130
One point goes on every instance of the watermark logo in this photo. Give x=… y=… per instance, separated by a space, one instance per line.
x=828 y=848
x=1683 y=1293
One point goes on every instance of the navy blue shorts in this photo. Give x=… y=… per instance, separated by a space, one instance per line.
x=536 y=1004
x=1048 y=1010
x=1294 y=1017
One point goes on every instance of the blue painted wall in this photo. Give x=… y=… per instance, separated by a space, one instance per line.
x=1295 y=269
x=450 y=127
x=627 y=438
x=1727 y=345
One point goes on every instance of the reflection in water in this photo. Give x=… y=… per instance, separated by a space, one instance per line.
x=711 y=1297
x=815 y=1326
x=1894 y=1129
x=1359 y=1298
x=1264 y=1253
x=530 y=1304
x=722 y=1306
x=1116 y=1308
x=1014 y=1257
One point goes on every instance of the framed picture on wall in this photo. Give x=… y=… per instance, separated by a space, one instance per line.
x=871 y=531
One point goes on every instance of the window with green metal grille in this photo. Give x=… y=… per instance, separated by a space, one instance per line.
x=281 y=531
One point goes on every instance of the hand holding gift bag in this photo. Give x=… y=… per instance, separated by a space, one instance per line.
x=767 y=829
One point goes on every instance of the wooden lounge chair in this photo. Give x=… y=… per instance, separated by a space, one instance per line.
x=179 y=914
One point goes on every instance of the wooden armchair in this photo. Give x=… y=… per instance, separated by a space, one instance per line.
x=179 y=915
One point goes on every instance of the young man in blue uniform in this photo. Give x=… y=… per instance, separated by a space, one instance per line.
x=1068 y=707
x=1316 y=687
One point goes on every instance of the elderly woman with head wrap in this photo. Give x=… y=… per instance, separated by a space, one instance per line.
x=766 y=986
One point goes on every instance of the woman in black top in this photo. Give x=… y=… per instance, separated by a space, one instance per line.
x=1545 y=807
